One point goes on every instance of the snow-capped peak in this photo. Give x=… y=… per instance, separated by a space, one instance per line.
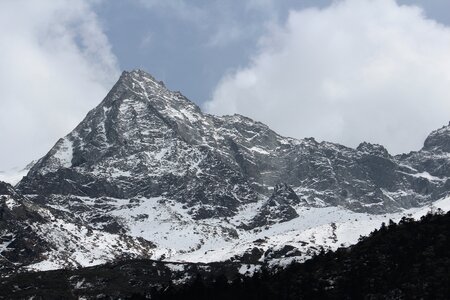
x=149 y=164
x=438 y=140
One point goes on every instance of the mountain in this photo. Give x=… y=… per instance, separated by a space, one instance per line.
x=33 y=237
x=147 y=165
x=19 y=243
x=144 y=140
x=409 y=260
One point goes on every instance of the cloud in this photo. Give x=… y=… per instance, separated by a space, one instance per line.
x=355 y=70
x=55 y=65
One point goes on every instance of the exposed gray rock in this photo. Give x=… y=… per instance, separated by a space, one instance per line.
x=19 y=244
x=147 y=157
x=31 y=234
x=144 y=140
x=438 y=140
x=277 y=209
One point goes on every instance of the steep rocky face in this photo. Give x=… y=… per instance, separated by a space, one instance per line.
x=34 y=237
x=148 y=174
x=432 y=162
x=19 y=244
x=278 y=208
x=144 y=140
x=438 y=140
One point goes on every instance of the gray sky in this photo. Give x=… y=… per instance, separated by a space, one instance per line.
x=343 y=71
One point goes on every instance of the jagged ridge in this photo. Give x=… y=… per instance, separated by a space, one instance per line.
x=148 y=163
x=144 y=140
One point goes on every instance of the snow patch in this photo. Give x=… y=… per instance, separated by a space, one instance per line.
x=64 y=153
x=259 y=150
x=249 y=270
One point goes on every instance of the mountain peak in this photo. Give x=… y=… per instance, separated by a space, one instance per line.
x=438 y=139
x=141 y=75
x=144 y=140
x=140 y=85
x=137 y=96
x=373 y=149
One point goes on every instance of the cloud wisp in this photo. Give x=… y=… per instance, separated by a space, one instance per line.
x=355 y=70
x=55 y=65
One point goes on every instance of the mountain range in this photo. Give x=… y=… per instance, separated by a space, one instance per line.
x=148 y=175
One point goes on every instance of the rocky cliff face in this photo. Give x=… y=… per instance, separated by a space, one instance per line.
x=277 y=209
x=148 y=164
x=35 y=237
x=19 y=243
x=144 y=140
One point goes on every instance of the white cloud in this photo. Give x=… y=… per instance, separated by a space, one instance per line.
x=356 y=70
x=55 y=65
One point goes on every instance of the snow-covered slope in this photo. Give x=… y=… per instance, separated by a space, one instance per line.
x=34 y=237
x=147 y=165
x=176 y=236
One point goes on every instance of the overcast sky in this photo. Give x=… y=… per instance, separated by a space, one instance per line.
x=342 y=71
